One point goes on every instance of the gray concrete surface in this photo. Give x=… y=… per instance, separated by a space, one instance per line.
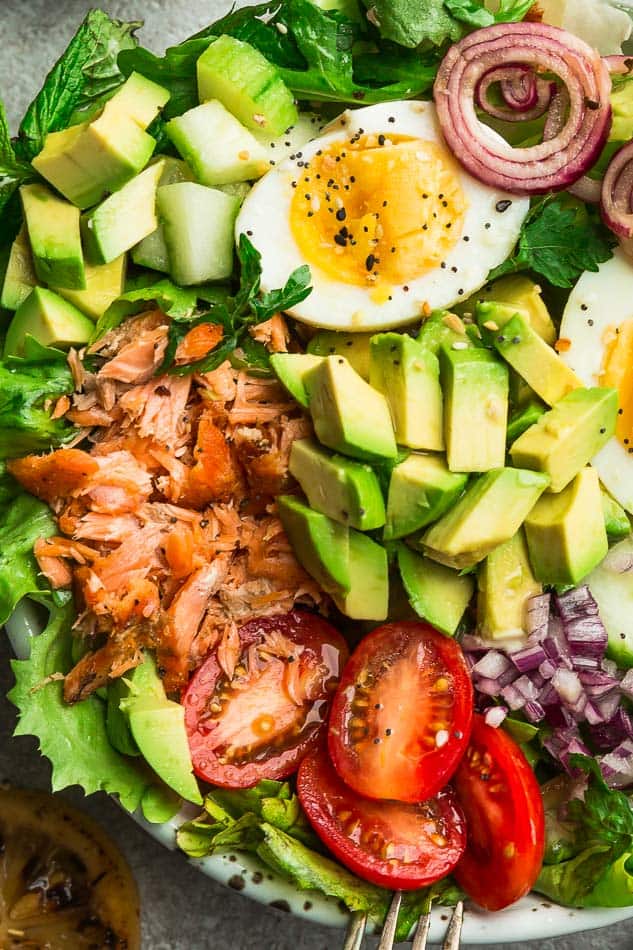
x=182 y=909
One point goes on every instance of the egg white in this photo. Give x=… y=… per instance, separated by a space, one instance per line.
x=488 y=235
x=598 y=301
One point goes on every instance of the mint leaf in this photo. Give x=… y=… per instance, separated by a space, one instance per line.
x=560 y=239
x=412 y=22
x=79 y=83
x=74 y=737
x=476 y=14
x=13 y=173
x=23 y=521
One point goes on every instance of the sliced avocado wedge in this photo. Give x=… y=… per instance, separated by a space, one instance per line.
x=158 y=727
x=20 y=277
x=368 y=595
x=53 y=228
x=421 y=489
x=439 y=329
x=291 y=370
x=565 y=532
x=523 y=417
x=343 y=489
x=50 y=319
x=353 y=346
x=521 y=295
x=320 y=544
x=437 y=594
x=117 y=722
x=104 y=284
x=506 y=582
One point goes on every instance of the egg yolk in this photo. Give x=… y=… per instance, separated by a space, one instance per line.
x=378 y=209
x=617 y=371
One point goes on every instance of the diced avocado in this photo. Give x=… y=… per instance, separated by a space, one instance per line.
x=349 y=416
x=437 y=594
x=534 y=359
x=616 y=520
x=564 y=439
x=409 y=376
x=216 y=146
x=421 y=489
x=345 y=490
x=520 y=392
x=117 y=722
x=53 y=227
x=104 y=284
x=506 y=583
x=490 y=512
x=565 y=531
x=158 y=727
x=198 y=224
x=87 y=161
x=610 y=584
x=50 y=319
x=353 y=346
x=152 y=250
x=523 y=417
x=475 y=386
x=439 y=328
x=320 y=544
x=123 y=219
x=368 y=594
x=521 y=295
x=20 y=277
x=291 y=370
x=247 y=84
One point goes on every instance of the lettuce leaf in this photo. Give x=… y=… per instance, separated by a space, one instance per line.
x=177 y=302
x=26 y=386
x=23 y=520
x=73 y=738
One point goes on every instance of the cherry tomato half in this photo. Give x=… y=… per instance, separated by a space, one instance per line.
x=502 y=802
x=401 y=717
x=261 y=722
x=391 y=844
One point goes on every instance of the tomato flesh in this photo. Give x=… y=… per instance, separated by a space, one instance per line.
x=402 y=714
x=261 y=722
x=391 y=844
x=502 y=802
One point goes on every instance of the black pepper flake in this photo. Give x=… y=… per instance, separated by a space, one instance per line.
x=391 y=118
x=466 y=238
x=370 y=260
x=502 y=206
x=308 y=197
x=341 y=214
x=487 y=225
x=620 y=412
x=602 y=431
x=425 y=227
x=310 y=214
x=249 y=233
x=584 y=306
x=293 y=184
x=377 y=740
x=384 y=204
x=388 y=732
x=460 y=292
x=393 y=250
x=406 y=289
x=516 y=339
x=448 y=225
x=453 y=269
x=340 y=240
x=443 y=265
x=381 y=139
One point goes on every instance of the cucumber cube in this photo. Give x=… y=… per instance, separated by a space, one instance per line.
x=218 y=149
x=198 y=225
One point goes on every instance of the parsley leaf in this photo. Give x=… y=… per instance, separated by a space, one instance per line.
x=560 y=239
x=477 y=15
x=13 y=172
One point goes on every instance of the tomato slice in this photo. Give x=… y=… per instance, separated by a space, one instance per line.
x=502 y=802
x=402 y=714
x=391 y=844
x=261 y=722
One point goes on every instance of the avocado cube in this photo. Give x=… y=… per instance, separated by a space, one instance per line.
x=520 y=295
x=53 y=228
x=490 y=512
x=353 y=346
x=565 y=532
x=291 y=370
x=50 y=319
x=437 y=594
x=616 y=520
x=523 y=417
x=534 y=359
x=439 y=329
x=475 y=387
x=123 y=219
x=368 y=595
x=349 y=416
x=20 y=277
x=104 y=284
x=340 y=488
x=409 y=377
x=320 y=544
x=564 y=439
x=139 y=99
x=421 y=489
x=506 y=583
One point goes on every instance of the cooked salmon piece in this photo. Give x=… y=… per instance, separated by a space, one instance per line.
x=116 y=657
x=138 y=360
x=272 y=333
x=198 y=343
x=57 y=475
x=213 y=475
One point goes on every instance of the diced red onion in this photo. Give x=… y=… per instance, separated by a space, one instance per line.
x=587 y=189
x=526 y=687
x=492 y=665
x=568 y=686
x=550 y=165
x=605 y=735
x=533 y=711
x=487 y=686
x=555 y=643
x=537 y=612
x=576 y=604
x=617 y=765
x=575 y=747
x=513 y=697
x=626 y=684
x=598 y=683
x=547 y=669
x=529 y=658
x=473 y=644
x=495 y=716
x=608 y=705
x=593 y=715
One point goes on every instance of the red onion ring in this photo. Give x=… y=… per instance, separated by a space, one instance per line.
x=553 y=164
x=525 y=95
x=619 y=65
x=616 y=195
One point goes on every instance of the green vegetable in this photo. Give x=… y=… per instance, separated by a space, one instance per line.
x=25 y=386
x=560 y=239
x=13 y=173
x=475 y=14
x=412 y=22
x=73 y=737
x=78 y=85
x=177 y=302
x=22 y=522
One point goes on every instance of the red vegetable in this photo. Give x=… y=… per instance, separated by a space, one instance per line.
x=401 y=716
x=272 y=711
x=554 y=163
x=390 y=844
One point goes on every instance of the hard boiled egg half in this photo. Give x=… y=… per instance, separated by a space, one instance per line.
x=597 y=333
x=390 y=224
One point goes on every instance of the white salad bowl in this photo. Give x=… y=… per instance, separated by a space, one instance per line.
x=533 y=918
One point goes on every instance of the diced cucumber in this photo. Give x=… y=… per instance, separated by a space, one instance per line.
x=239 y=190
x=610 y=584
x=247 y=84
x=198 y=224
x=217 y=147
x=306 y=128
x=152 y=250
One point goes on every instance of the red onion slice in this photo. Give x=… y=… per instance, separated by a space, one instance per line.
x=525 y=95
x=553 y=164
x=616 y=192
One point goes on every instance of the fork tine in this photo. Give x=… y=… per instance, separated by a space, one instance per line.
x=355 y=930
x=454 y=932
x=422 y=932
x=391 y=922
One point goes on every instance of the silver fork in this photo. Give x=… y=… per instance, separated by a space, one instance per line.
x=358 y=921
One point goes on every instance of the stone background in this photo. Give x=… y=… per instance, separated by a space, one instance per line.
x=182 y=909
